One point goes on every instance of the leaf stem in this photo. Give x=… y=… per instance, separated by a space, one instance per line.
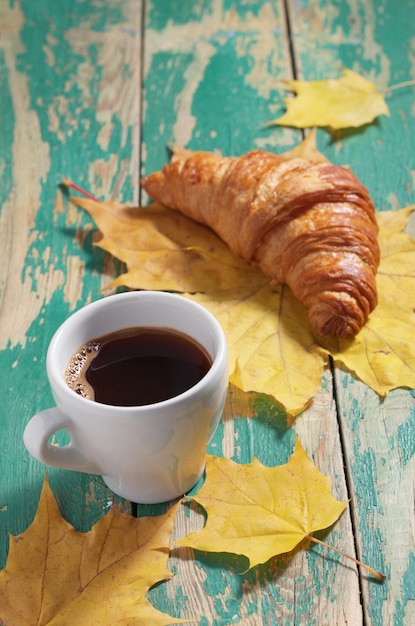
x=68 y=183
x=407 y=83
x=377 y=575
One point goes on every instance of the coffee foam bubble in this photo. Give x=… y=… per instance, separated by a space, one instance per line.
x=75 y=374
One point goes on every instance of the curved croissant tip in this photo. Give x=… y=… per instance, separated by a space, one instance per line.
x=341 y=328
x=337 y=324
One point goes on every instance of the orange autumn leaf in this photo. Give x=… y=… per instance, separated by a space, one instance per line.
x=57 y=575
x=260 y=511
x=346 y=102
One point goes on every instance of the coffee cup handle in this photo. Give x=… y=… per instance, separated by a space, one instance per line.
x=36 y=439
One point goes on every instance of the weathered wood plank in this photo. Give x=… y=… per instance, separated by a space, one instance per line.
x=210 y=71
x=69 y=105
x=307 y=586
x=380 y=446
x=373 y=39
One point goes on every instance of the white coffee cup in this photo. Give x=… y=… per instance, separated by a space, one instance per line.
x=146 y=454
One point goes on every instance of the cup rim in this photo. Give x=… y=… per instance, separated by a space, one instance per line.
x=56 y=378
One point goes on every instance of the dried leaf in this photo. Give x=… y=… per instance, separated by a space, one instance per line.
x=272 y=348
x=260 y=511
x=166 y=251
x=349 y=101
x=56 y=575
x=265 y=325
x=382 y=355
x=271 y=342
x=307 y=150
x=267 y=328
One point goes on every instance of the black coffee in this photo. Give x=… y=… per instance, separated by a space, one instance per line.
x=137 y=366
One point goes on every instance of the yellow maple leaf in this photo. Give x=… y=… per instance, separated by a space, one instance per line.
x=268 y=332
x=382 y=354
x=272 y=349
x=349 y=101
x=307 y=150
x=260 y=511
x=166 y=251
x=56 y=575
x=264 y=324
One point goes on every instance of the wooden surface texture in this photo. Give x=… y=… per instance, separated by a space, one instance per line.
x=94 y=91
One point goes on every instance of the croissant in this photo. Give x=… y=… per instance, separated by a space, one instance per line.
x=309 y=225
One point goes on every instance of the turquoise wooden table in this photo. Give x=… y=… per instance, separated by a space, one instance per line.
x=94 y=91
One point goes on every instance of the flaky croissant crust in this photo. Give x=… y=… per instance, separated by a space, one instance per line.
x=309 y=225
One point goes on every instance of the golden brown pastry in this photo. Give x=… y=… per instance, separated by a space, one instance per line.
x=309 y=225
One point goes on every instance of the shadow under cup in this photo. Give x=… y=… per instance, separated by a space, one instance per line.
x=146 y=454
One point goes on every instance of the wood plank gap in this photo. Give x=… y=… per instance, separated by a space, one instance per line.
x=141 y=112
x=348 y=481
x=134 y=509
x=290 y=40
x=291 y=50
